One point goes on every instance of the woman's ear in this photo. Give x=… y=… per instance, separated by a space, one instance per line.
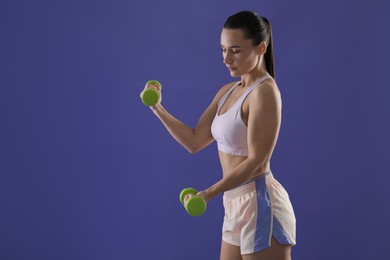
x=262 y=48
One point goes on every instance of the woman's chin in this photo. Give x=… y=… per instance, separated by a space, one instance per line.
x=234 y=73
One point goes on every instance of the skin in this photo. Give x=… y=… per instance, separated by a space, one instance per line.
x=261 y=113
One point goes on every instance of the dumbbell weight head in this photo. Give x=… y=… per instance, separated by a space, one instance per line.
x=154 y=82
x=195 y=206
x=151 y=95
x=185 y=192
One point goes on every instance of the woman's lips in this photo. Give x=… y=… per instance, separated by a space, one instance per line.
x=231 y=69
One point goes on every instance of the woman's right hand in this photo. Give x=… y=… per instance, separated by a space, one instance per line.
x=151 y=85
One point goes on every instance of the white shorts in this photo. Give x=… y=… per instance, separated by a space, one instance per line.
x=256 y=211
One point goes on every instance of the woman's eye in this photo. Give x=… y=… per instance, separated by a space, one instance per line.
x=233 y=51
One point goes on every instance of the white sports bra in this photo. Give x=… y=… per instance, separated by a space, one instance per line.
x=229 y=129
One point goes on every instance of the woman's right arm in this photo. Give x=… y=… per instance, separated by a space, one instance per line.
x=192 y=139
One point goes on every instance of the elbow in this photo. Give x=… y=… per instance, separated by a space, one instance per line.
x=257 y=167
x=196 y=144
x=192 y=149
x=192 y=146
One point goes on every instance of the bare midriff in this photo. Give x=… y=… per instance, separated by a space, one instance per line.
x=229 y=162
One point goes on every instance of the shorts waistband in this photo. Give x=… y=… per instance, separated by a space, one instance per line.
x=246 y=187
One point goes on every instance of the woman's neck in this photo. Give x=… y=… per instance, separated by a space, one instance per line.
x=257 y=73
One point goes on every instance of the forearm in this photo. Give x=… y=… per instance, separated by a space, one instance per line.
x=238 y=175
x=182 y=133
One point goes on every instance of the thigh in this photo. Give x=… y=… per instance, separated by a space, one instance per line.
x=275 y=252
x=230 y=252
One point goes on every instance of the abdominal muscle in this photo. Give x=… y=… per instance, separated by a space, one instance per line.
x=229 y=162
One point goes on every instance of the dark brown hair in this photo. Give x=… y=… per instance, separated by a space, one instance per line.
x=258 y=29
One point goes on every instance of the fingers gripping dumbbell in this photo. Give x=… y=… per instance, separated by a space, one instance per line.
x=195 y=205
x=151 y=95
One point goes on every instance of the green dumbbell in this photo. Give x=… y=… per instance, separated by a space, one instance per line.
x=195 y=205
x=151 y=94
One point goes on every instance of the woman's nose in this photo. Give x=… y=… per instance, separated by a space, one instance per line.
x=227 y=59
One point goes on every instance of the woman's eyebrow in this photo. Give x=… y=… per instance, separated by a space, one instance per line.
x=234 y=46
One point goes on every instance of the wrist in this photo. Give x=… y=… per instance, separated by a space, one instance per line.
x=156 y=108
x=211 y=192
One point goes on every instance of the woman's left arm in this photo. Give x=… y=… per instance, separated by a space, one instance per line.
x=263 y=128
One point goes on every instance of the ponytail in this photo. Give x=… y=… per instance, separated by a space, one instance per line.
x=269 y=54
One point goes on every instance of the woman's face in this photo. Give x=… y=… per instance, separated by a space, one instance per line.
x=239 y=54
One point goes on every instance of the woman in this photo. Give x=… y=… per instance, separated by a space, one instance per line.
x=244 y=118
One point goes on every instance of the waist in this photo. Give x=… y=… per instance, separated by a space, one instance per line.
x=247 y=186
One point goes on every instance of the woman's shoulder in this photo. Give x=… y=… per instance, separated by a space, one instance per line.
x=267 y=92
x=223 y=90
x=268 y=85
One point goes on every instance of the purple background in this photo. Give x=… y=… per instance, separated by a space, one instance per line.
x=88 y=172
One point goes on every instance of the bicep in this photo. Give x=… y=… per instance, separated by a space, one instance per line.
x=203 y=128
x=263 y=122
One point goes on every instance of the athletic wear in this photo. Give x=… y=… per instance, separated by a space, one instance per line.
x=228 y=129
x=256 y=211
x=259 y=208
